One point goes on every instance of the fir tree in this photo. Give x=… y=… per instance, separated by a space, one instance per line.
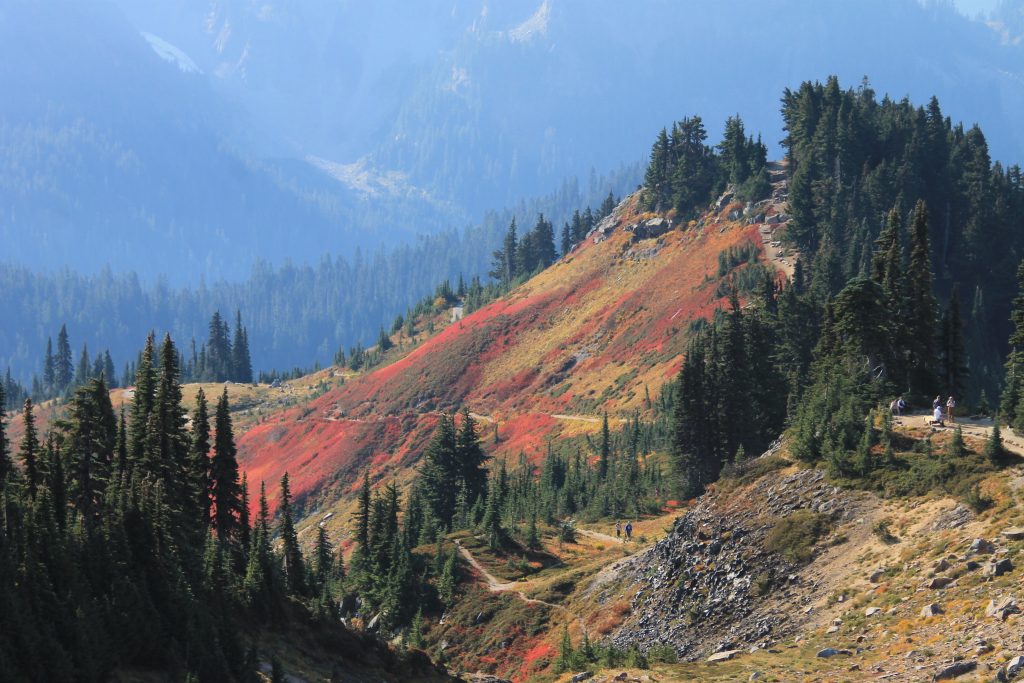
x=1011 y=405
x=63 y=368
x=240 y=360
x=491 y=524
x=921 y=326
x=84 y=370
x=995 y=453
x=143 y=402
x=199 y=455
x=471 y=459
x=49 y=368
x=6 y=467
x=362 y=516
x=90 y=445
x=29 y=450
x=225 y=490
x=448 y=580
x=503 y=264
x=294 y=567
x=323 y=557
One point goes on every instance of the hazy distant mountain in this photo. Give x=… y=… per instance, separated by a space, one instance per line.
x=483 y=103
x=115 y=153
x=213 y=132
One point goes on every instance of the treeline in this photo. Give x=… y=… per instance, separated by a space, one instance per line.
x=875 y=308
x=853 y=159
x=217 y=360
x=684 y=172
x=126 y=541
x=61 y=375
x=296 y=314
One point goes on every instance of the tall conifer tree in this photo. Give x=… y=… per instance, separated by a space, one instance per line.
x=225 y=488
x=29 y=450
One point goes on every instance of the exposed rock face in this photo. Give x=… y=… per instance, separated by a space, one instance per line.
x=706 y=587
x=652 y=227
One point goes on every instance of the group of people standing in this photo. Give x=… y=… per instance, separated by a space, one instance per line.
x=628 y=529
x=939 y=417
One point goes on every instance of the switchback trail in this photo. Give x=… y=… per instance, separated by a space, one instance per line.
x=496 y=586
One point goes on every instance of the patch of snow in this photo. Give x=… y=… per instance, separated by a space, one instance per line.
x=536 y=24
x=362 y=178
x=170 y=53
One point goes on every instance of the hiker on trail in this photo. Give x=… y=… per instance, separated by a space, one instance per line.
x=897 y=406
x=629 y=530
x=937 y=403
x=951 y=409
x=618 y=529
x=937 y=414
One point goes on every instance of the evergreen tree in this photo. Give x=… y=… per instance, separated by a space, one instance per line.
x=240 y=360
x=362 y=516
x=49 y=368
x=922 y=307
x=471 y=459
x=6 y=468
x=448 y=580
x=29 y=450
x=294 y=567
x=440 y=471
x=383 y=340
x=995 y=453
x=1011 y=405
x=323 y=557
x=143 y=402
x=491 y=524
x=84 y=369
x=171 y=460
x=199 y=455
x=225 y=489
x=244 y=524
x=63 y=368
x=503 y=264
x=90 y=444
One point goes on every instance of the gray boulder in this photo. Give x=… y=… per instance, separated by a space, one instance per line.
x=1014 y=666
x=999 y=567
x=981 y=547
x=955 y=670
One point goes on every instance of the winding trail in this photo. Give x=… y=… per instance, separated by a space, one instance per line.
x=978 y=428
x=597 y=535
x=497 y=586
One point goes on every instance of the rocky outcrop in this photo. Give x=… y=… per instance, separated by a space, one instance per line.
x=708 y=586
